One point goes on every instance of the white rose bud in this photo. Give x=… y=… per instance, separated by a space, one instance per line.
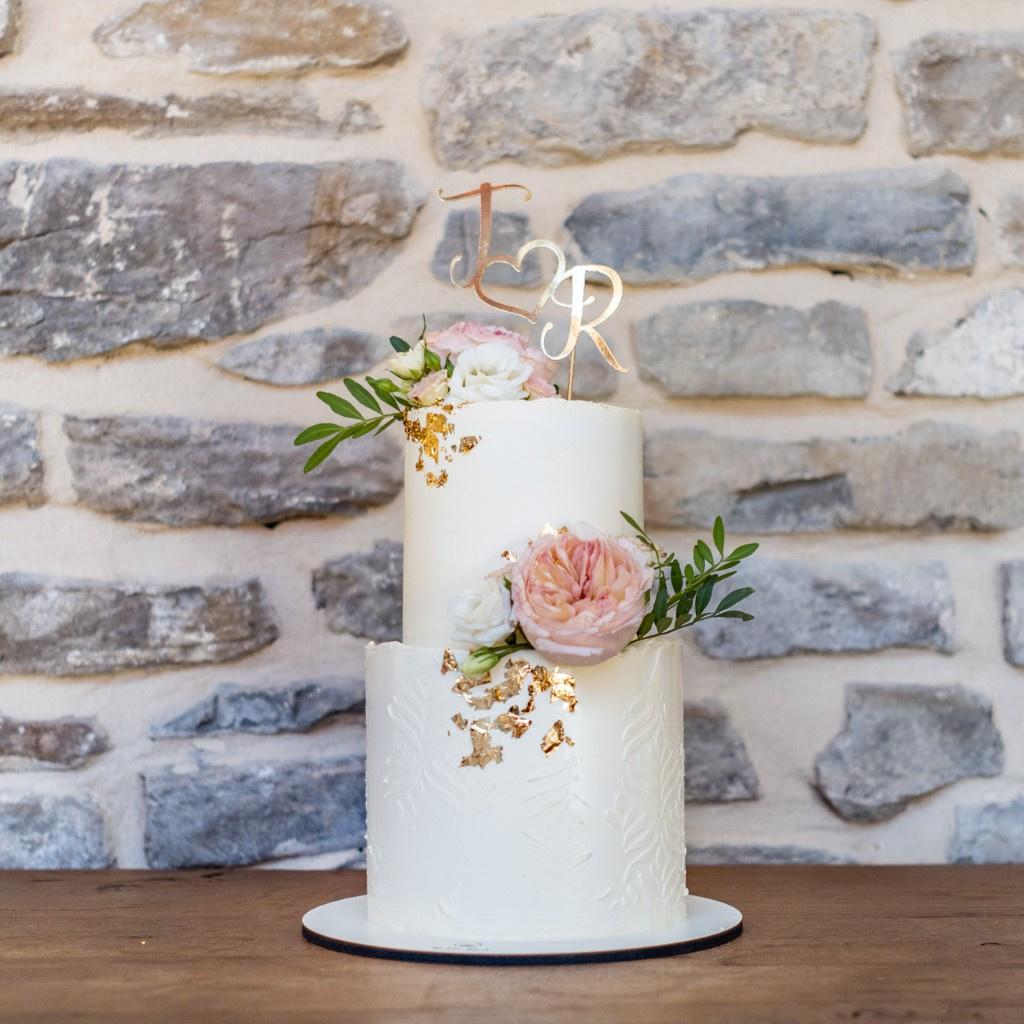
x=482 y=613
x=409 y=365
x=491 y=372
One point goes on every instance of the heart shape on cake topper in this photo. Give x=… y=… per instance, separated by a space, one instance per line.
x=577 y=275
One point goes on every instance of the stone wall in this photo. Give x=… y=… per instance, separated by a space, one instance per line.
x=209 y=207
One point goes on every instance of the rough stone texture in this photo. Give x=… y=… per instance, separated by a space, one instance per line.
x=901 y=742
x=297 y=707
x=44 y=833
x=9 y=11
x=95 y=257
x=590 y=85
x=757 y=853
x=84 y=627
x=829 y=607
x=53 y=743
x=53 y=111
x=963 y=92
x=308 y=357
x=1013 y=612
x=718 y=768
x=509 y=231
x=932 y=476
x=1009 y=223
x=905 y=220
x=981 y=356
x=595 y=379
x=736 y=347
x=989 y=834
x=362 y=592
x=226 y=815
x=21 y=463
x=261 y=37
x=164 y=469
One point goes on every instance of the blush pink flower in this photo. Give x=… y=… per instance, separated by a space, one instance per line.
x=465 y=335
x=430 y=390
x=580 y=601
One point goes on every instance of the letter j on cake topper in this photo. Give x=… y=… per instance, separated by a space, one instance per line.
x=579 y=277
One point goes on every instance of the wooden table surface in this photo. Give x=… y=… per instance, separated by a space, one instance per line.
x=838 y=944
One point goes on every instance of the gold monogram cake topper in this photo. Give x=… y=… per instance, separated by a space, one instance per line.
x=576 y=276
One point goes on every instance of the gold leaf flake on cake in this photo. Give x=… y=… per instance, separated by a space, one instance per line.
x=468 y=443
x=513 y=721
x=484 y=751
x=449 y=663
x=555 y=737
x=437 y=479
x=460 y=720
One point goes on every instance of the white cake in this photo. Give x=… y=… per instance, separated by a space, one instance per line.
x=587 y=838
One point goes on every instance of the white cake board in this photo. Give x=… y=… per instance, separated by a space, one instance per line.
x=343 y=927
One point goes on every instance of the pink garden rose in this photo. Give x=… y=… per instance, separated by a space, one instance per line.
x=466 y=334
x=579 y=601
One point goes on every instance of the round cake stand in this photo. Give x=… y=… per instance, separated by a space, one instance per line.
x=342 y=926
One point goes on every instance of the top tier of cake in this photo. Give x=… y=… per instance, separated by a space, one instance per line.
x=536 y=463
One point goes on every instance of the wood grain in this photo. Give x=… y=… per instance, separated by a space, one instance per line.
x=835 y=944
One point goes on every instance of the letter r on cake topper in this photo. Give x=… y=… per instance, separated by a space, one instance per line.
x=577 y=276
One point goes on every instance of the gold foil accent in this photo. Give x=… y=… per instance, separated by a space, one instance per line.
x=437 y=479
x=484 y=752
x=555 y=737
x=449 y=663
x=561 y=684
x=468 y=443
x=513 y=721
x=460 y=720
x=466 y=683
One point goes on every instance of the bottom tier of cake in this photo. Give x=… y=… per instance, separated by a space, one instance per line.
x=586 y=839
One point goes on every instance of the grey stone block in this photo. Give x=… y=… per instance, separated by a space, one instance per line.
x=179 y=472
x=21 y=462
x=186 y=253
x=736 y=347
x=297 y=707
x=39 y=833
x=991 y=833
x=930 y=477
x=308 y=357
x=833 y=607
x=590 y=85
x=257 y=37
x=509 y=231
x=362 y=592
x=963 y=92
x=231 y=815
x=759 y=853
x=1013 y=611
x=904 y=220
x=981 y=356
x=85 y=627
x=718 y=768
x=902 y=742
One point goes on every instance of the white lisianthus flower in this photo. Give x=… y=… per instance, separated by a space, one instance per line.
x=482 y=613
x=409 y=365
x=491 y=372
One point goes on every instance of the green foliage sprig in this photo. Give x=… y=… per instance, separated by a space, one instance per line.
x=682 y=592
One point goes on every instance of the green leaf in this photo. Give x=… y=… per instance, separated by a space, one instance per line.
x=431 y=360
x=385 y=423
x=423 y=329
x=703 y=596
x=698 y=557
x=682 y=617
x=661 y=601
x=705 y=550
x=718 y=534
x=689 y=573
x=339 y=405
x=382 y=392
x=449 y=366
x=632 y=522
x=735 y=614
x=361 y=395
x=317 y=432
x=645 y=624
x=323 y=452
x=365 y=428
x=663 y=623
x=734 y=598
x=398 y=344
x=743 y=551
x=676 y=574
